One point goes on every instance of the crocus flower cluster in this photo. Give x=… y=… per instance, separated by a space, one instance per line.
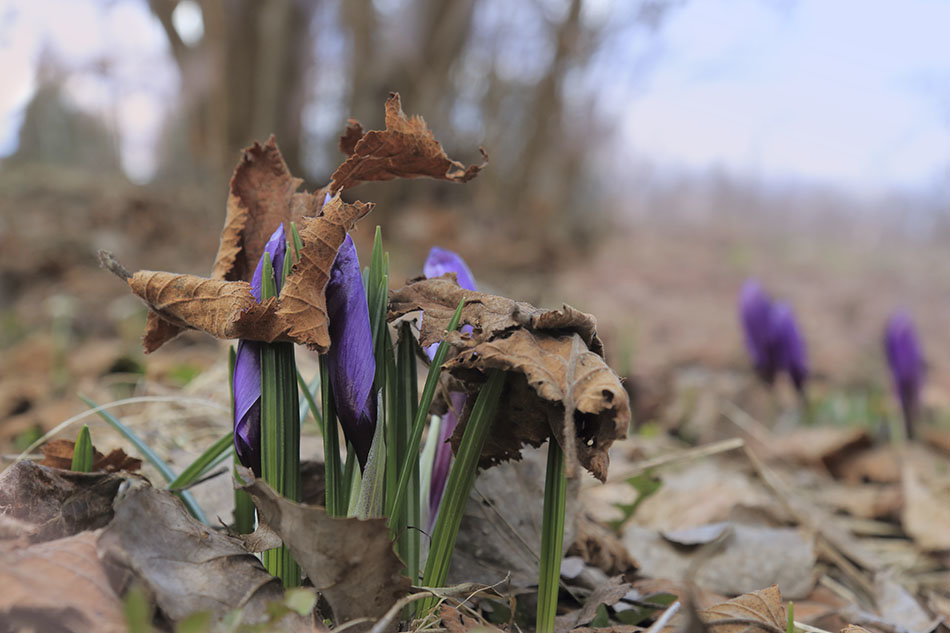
x=350 y=358
x=907 y=365
x=246 y=385
x=772 y=336
x=439 y=262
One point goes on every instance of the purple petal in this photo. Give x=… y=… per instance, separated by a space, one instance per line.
x=277 y=248
x=906 y=362
x=788 y=345
x=247 y=404
x=439 y=262
x=443 y=454
x=755 y=310
x=350 y=359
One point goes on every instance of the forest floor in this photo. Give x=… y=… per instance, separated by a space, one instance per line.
x=850 y=525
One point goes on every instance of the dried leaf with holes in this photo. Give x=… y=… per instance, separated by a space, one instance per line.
x=226 y=309
x=558 y=383
x=350 y=561
x=405 y=149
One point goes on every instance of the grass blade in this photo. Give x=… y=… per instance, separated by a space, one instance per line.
x=552 y=537
x=459 y=485
x=336 y=501
x=308 y=404
x=151 y=456
x=203 y=463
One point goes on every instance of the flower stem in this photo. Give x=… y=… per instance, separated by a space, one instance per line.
x=280 y=443
x=459 y=485
x=552 y=537
x=336 y=500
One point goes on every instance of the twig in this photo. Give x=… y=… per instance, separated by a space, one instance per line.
x=108 y=261
x=664 y=619
x=698 y=452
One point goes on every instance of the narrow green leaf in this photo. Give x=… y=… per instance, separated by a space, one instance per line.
x=203 y=463
x=418 y=424
x=308 y=404
x=406 y=401
x=335 y=499
x=151 y=456
x=280 y=441
x=426 y=460
x=82 y=452
x=459 y=485
x=295 y=238
x=370 y=501
x=268 y=284
x=552 y=537
x=790 y=624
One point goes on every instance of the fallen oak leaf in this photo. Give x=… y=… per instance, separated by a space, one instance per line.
x=405 y=149
x=59 y=585
x=350 y=561
x=185 y=566
x=227 y=309
x=761 y=609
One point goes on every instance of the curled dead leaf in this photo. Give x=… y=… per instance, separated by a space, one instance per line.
x=226 y=309
x=350 y=561
x=405 y=149
x=558 y=383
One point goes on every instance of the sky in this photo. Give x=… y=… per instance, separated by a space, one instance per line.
x=848 y=93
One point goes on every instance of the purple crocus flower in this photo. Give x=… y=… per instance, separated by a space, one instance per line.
x=789 y=347
x=755 y=310
x=439 y=262
x=772 y=336
x=350 y=358
x=907 y=365
x=246 y=384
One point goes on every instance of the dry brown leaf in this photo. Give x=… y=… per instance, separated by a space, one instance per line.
x=59 y=454
x=820 y=445
x=456 y=622
x=926 y=512
x=226 y=309
x=262 y=195
x=489 y=315
x=609 y=594
x=573 y=394
x=879 y=465
x=185 y=566
x=898 y=606
x=601 y=548
x=558 y=382
x=57 y=502
x=351 y=136
x=750 y=557
x=405 y=149
x=764 y=605
x=350 y=561
x=58 y=586
x=851 y=628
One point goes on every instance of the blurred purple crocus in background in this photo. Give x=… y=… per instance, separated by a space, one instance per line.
x=772 y=336
x=246 y=384
x=907 y=365
x=350 y=358
x=439 y=262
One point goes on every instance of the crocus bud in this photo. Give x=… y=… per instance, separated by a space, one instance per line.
x=350 y=359
x=789 y=347
x=755 y=310
x=907 y=365
x=246 y=384
x=439 y=262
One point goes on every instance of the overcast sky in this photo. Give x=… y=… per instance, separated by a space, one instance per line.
x=850 y=93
